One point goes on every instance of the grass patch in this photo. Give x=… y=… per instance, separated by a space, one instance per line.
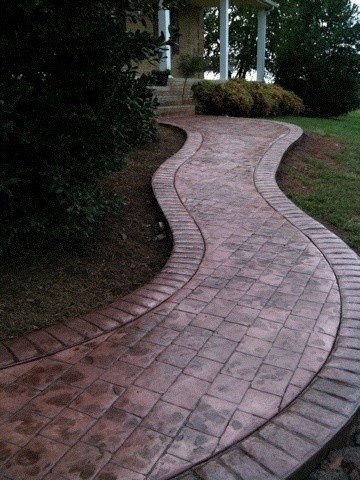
x=325 y=182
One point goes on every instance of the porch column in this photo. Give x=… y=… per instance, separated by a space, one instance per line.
x=261 y=46
x=164 y=23
x=224 y=39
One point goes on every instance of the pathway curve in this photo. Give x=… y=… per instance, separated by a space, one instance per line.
x=240 y=360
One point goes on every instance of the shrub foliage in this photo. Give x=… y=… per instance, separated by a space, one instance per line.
x=70 y=106
x=240 y=98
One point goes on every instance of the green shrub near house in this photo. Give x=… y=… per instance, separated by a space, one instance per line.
x=228 y=98
x=71 y=104
x=240 y=98
x=236 y=100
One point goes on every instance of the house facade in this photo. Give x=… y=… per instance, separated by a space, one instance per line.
x=189 y=19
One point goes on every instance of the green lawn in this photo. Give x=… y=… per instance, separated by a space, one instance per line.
x=330 y=193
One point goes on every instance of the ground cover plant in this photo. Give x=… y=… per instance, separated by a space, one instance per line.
x=327 y=186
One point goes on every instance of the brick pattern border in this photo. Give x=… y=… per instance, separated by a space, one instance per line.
x=186 y=256
x=292 y=443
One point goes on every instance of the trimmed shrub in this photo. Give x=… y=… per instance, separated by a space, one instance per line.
x=270 y=100
x=265 y=101
x=237 y=101
x=228 y=98
x=238 y=97
x=208 y=98
x=71 y=104
x=290 y=104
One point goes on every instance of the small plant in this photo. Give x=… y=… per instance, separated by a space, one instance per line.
x=189 y=66
x=161 y=77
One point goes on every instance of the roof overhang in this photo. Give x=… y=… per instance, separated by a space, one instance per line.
x=258 y=4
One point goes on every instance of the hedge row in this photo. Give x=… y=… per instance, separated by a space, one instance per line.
x=239 y=98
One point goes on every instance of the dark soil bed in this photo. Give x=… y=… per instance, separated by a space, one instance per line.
x=46 y=284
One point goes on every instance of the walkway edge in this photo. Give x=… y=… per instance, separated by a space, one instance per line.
x=185 y=258
x=269 y=452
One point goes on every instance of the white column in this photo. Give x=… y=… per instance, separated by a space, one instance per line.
x=261 y=46
x=164 y=23
x=224 y=39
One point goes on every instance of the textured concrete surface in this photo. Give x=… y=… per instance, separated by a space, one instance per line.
x=240 y=360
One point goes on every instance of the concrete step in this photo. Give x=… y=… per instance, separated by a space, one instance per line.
x=173 y=93
x=172 y=110
x=174 y=100
x=176 y=85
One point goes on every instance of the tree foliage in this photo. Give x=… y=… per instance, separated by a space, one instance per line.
x=319 y=58
x=71 y=103
x=312 y=49
x=242 y=39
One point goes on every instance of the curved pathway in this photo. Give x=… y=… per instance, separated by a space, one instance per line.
x=240 y=360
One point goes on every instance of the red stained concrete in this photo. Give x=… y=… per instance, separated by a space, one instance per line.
x=239 y=360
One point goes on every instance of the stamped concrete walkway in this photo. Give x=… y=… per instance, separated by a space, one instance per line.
x=240 y=360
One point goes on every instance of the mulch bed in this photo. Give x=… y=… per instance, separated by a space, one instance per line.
x=45 y=284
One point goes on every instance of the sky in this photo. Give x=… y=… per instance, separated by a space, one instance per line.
x=357 y=2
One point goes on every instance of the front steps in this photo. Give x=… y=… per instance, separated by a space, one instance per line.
x=175 y=110
x=173 y=99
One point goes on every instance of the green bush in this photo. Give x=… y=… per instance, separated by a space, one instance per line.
x=237 y=100
x=271 y=100
x=228 y=98
x=290 y=104
x=71 y=104
x=265 y=101
x=208 y=98
x=241 y=98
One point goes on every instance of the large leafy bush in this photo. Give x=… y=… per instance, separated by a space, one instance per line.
x=241 y=98
x=71 y=103
x=227 y=98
